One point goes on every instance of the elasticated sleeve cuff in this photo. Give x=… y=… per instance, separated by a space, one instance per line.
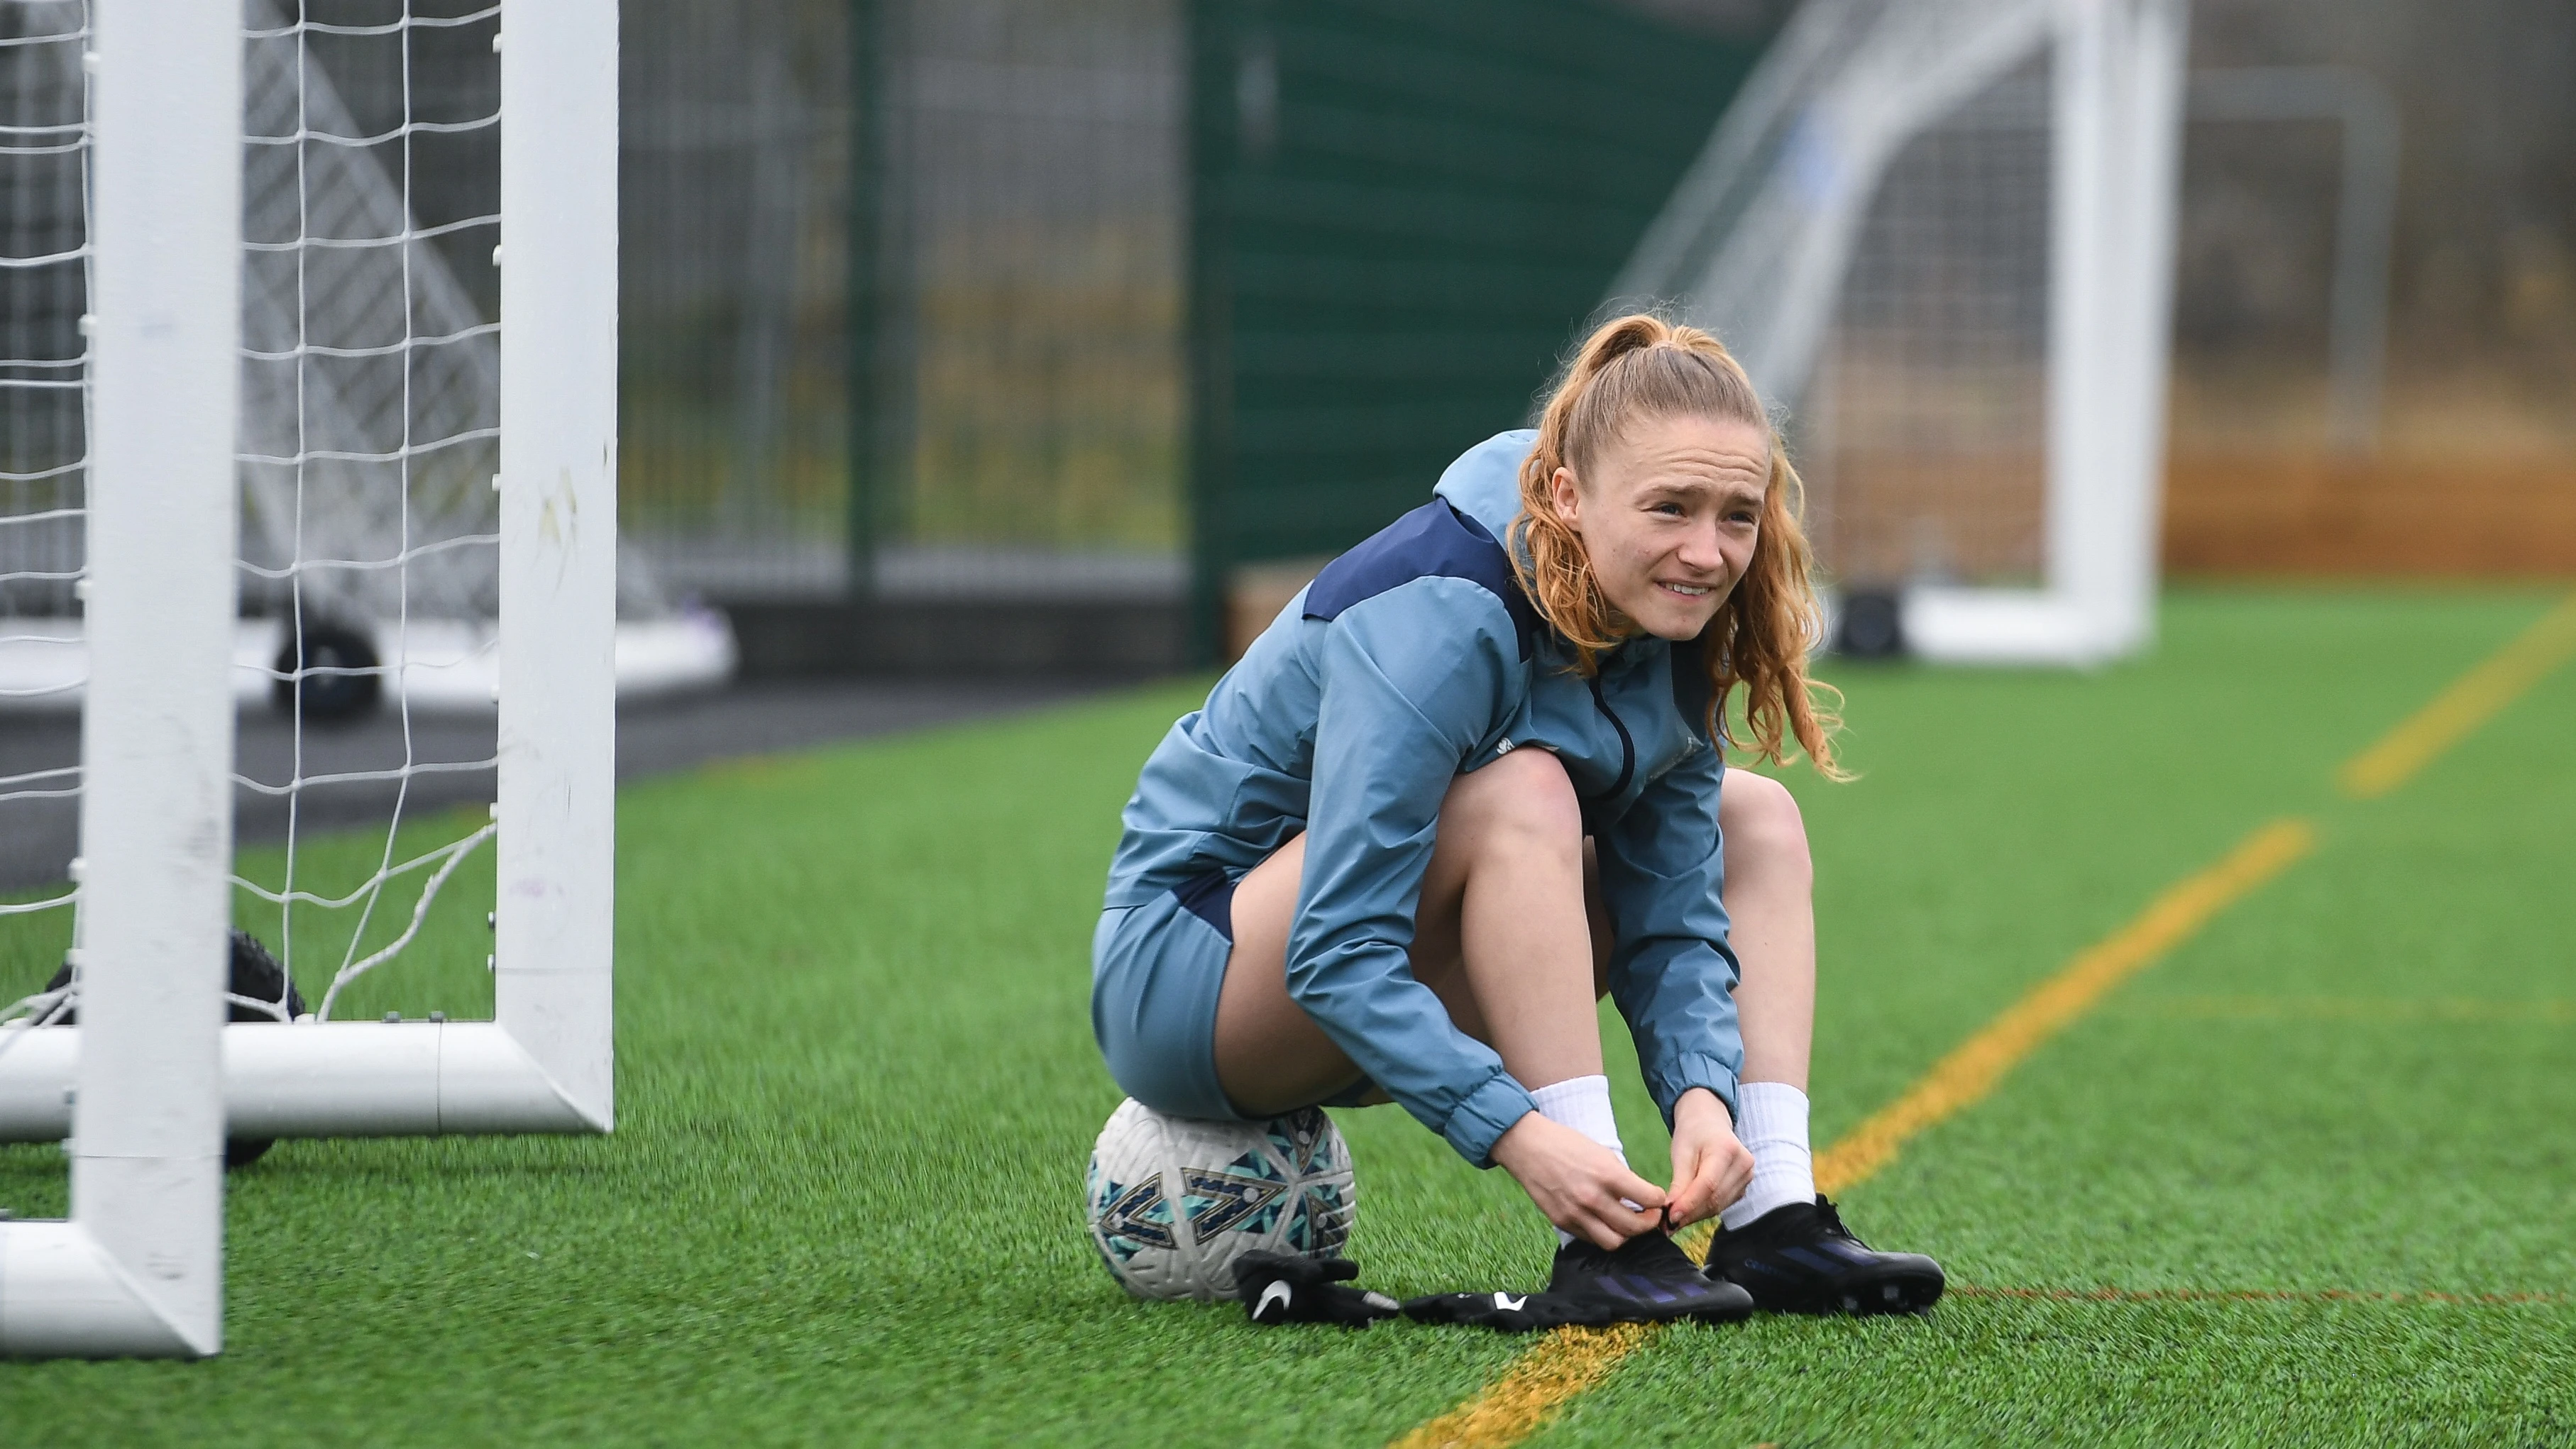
x=1688 y=1070
x=1486 y=1115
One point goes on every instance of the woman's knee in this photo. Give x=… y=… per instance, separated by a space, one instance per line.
x=1521 y=803
x=1763 y=832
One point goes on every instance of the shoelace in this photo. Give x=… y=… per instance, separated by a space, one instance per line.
x=1832 y=1219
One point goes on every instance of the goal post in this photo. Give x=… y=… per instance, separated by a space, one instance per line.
x=2115 y=130
x=553 y=921
x=1798 y=237
x=137 y=1268
x=150 y=1082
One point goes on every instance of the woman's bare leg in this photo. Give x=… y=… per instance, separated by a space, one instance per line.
x=1771 y=923
x=1500 y=935
x=1772 y=919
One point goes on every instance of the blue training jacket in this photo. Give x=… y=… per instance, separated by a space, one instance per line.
x=1410 y=660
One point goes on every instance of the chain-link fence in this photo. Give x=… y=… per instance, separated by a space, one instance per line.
x=1024 y=276
x=734 y=277
x=939 y=304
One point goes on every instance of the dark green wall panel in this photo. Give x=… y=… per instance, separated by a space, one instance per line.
x=1401 y=213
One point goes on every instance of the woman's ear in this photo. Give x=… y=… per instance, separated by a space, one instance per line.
x=1567 y=498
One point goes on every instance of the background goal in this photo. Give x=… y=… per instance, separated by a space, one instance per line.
x=1940 y=233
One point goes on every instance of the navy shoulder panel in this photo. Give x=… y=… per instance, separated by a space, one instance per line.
x=1691 y=685
x=1433 y=541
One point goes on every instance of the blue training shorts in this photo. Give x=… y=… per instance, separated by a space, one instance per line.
x=1155 y=973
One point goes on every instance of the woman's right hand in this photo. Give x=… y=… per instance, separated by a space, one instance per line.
x=1578 y=1182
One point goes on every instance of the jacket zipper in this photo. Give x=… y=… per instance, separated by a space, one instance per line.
x=1627 y=746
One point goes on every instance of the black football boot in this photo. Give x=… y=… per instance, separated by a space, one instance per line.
x=1801 y=1259
x=1644 y=1280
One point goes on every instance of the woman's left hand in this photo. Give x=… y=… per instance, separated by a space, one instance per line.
x=1710 y=1168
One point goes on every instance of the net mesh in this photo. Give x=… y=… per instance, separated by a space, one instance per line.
x=1868 y=230
x=1924 y=437
x=367 y=448
x=44 y=460
x=368 y=451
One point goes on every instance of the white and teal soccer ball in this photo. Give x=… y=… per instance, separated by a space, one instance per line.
x=1172 y=1202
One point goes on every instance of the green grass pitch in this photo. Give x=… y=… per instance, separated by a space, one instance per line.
x=856 y=1087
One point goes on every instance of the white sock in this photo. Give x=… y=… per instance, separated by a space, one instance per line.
x=1582 y=1103
x=1771 y=1122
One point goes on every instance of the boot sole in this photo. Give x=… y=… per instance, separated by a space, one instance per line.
x=1893 y=1288
x=1898 y=1289
x=1612 y=1309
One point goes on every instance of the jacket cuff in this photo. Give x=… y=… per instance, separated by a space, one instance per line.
x=1485 y=1116
x=1692 y=1069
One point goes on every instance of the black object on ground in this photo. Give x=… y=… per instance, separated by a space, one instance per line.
x=1289 y=1288
x=255 y=976
x=1500 y=1311
x=1085 y=639
x=1873 y=625
x=334 y=672
x=1647 y=1279
x=1644 y=1280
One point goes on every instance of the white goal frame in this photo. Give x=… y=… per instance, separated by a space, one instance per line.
x=1756 y=247
x=150 y=1083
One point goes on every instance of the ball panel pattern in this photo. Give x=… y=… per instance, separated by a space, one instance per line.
x=1172 y=1202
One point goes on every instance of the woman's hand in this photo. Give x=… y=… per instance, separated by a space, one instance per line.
x=1710 y=1168
x=1578 y=1182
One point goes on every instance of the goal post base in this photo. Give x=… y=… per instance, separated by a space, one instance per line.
x=62 y=1295
x=2012 y=627
x=334 y=1079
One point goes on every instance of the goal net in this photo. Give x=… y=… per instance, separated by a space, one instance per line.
x=390 y=488
x=1939 y=233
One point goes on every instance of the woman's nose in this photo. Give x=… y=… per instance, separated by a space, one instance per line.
x=1703 y=551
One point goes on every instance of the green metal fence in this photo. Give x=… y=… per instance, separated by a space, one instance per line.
x=1403 y=213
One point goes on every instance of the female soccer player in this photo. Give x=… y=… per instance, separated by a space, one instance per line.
x=1468 y=782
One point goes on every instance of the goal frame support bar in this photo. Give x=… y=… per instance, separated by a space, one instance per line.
x=555 y=867
x=343 y=1079
x=137 y=1270
x=2114 y=162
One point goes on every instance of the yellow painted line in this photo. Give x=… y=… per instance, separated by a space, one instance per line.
x=2472 y=700
x=1571 y=1360
x=1562 y=1365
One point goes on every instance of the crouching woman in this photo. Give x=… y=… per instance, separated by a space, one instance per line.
x=1470 y=781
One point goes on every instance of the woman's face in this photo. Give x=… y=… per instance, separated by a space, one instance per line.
x=1669 y=513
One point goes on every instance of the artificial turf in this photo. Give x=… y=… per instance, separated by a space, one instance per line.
x=856 y=1085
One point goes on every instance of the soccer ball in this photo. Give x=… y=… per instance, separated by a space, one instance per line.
x=1173 y=1202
